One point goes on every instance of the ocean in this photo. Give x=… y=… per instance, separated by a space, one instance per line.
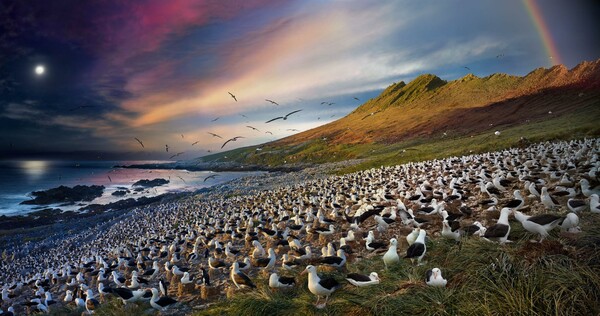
x=19 y=178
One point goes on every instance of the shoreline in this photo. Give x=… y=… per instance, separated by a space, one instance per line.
x=36 y=227
x=217 y=167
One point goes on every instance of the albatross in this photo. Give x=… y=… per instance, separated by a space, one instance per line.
x=434 y=278
x=360 y=280
x=320 y=286
x=540 y=224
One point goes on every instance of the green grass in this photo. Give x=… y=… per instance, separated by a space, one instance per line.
x=558 y=277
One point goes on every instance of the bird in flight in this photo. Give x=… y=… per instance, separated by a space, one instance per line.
x=181 y=179
x=167 y=148
x=177 y=154
x=254 y=128
x=109 y=178
x=216 y=119
x=357 y=99
x=215 y=135
x=233 y=96
x=244 y=115
x=283 y=117
x=267 y=132
x=231 y=140
x=139 y=141
x=467 y=68
x=293 y=129
x=272 y=101
x=196 y=142
x=212 y=176
x=373 y=113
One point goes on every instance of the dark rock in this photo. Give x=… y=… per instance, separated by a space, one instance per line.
x=120 y=193
x=65 y=194
x=150 y=183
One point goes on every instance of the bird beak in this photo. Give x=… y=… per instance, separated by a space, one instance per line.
x=303 y=272
x=435 y=275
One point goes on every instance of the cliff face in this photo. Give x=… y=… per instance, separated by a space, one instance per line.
x=429 y=105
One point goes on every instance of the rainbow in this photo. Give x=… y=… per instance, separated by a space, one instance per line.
x=538 y=20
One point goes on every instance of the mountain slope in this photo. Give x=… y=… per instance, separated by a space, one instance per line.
x=431 y=109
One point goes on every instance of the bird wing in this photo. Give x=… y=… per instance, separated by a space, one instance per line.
x=195 y=143
x=242 y=278
x=292 y=112
x=215 y=135
x=329 y=283
x=139 y=141
x=277 y=118
x=428 y=275
x=233 y=96
x=544 y=219
x=225 y=143
x=237 y=137
x=415 y=250
x=498 y=230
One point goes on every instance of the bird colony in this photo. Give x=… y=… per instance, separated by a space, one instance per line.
x=202 y=249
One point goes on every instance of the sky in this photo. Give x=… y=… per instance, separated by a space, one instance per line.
x=109 y=72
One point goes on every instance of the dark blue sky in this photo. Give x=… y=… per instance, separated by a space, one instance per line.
x=156 y=70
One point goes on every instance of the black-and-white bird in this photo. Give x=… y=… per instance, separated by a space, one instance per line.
x=418 y=249
x=359 y=280
x=160 y=303
x=499 y=231
x=240 y=279
x=434 y=278
x=276 y=281
x=320 y=286
x=540 y=224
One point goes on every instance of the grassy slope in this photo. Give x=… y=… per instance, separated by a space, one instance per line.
x=556 y=278
x=418 y=114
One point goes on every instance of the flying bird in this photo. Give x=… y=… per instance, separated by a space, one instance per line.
x=139 y=141
x=357 y=99
x=467 y=68
x=181 y=179
x=283 y=117
x=212 y=176
x=293 y=130
x=272 y=101
x=109 y=178
x=216 y=119
x=254 y=128
x=177 y=154
x=215 y=135
x=231 y=140
x=196 y=142
x=267 y=132
x=244 y=115
x=233 y=96
x=167 y=148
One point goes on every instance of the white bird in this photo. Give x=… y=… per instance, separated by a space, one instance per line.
x=391 y=256
x=548 y=200
x=586 y=189
x=412 y=237
x=570 y=224
x=434 y=278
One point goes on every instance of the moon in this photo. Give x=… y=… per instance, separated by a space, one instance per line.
x=39 y=70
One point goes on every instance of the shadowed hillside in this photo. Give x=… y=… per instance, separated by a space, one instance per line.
x=544 y=104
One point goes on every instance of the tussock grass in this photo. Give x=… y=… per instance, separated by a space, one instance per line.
x=557 y=277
